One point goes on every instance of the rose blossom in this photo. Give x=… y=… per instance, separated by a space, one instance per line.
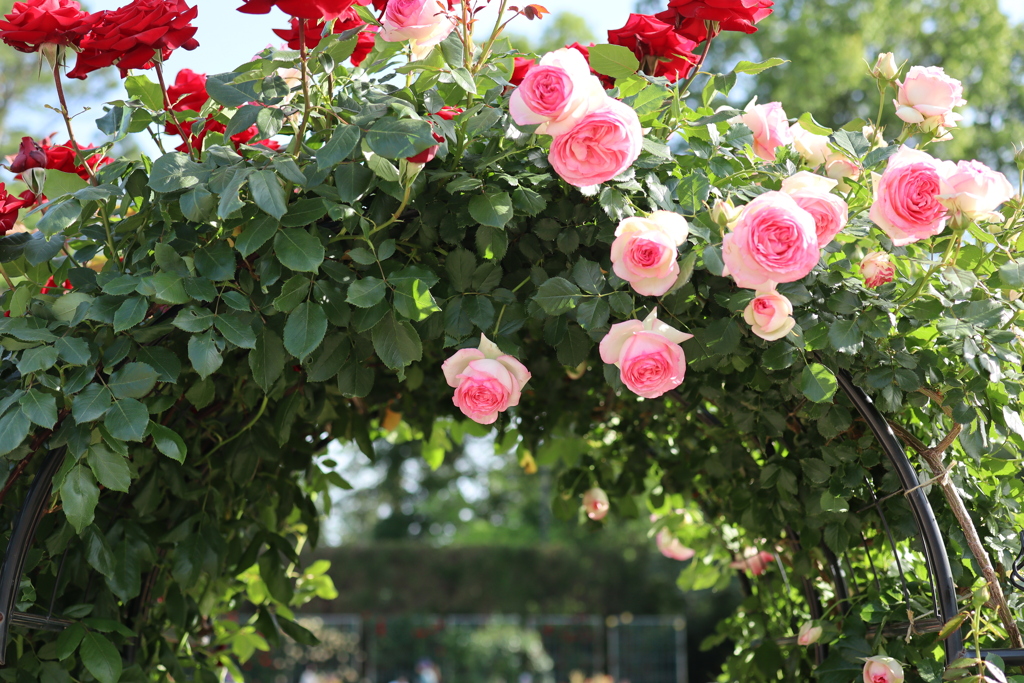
x=365 y=40
x=304 y=9
x=974 y=191
x=770 y=315
x=753 y=561
x=424 y=23
x=134 y=36
x=648 y=355
x=840 y=167
x=428 y=154
x=882 y=670
x=813 y=194
x=661 y=51
x=774 y=239
x=885 y=67
x=521 y=67
x=557 y=93
x=188 y=92
x=906 y=205
x=30 y=155
x=486 y=381
x=876 y=269
x=595 y=503
x=35 y=23
x=927 y=97
x=809 y=634
x=672 y=548
x=688 y=16
x=602 y=145
x=644 y=251
x=812 y=147
x=9 y=207
x=769 y=125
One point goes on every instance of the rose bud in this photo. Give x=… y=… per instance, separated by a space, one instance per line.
x=886 y=67
x=770 y=315
x=882 y=670
x=30 y=155
x=725 y=214
x=486 y=381
x=753 y=561
x=428 y=154
x=672 y=548
x=876 y=269
x=927 y=97
x=595 y=504
x=809 y=634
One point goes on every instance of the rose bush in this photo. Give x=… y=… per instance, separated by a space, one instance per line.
x=621 y=279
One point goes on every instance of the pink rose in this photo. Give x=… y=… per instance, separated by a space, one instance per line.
x=814 y=195
x=770 y=315
x=927 y=97
x=424 y=23
x=840 y=167
x=974 y=192
x=602 y=145
x=648 y=355
x=595 y=504
x=774 y=240
x=809 y=634
x=557 y=93
x=906 y=205
x=672 y=548
x=882 y=670
x=644 y=251
x=769 y=125
x=876 y=269
x=811 y=147
x=755 y=562
x=486 y=381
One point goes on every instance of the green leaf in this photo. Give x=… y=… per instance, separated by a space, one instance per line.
x=1012 y=274
x=79 y=495
x=14 y=426
x=168 y=442
x=305 y=329
x=808 y=123
x=204 y=354
x=168 y=288
x=557 y=295
x=40 y=408
x=414 y=301
x=845 y=336
x=818 y=383
x=328 y=359
x=216 y=262
x=588 y=275
x=127 y=419
x=615 y=61
x=397 y=344
x=72 y=350
x=745 y=67
x=174 y=172
x=133 y=380
x=58 y=216
x=146 y=91
x=692 y=192
x=343 y=141
x=355 y=380
x=39 y=359
x=256 y=234
x=110 y=469
x=352 y=181
x=394 y=138
x=236 y=329
x=100 y=657
x=268 y=193
x=491 y=208
x=130 y=313
x=59 y=183
x=266 y=361
x=304 y=212
x=464 y=79
x=460 y=264
x=366 y=292
x=575 y=348
x=69 y=640
x=91 y=403
x=223 y=91
x=298 y=250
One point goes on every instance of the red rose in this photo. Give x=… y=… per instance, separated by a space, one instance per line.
x=30 y=155
x=364 y=45
x=133 y=35
x=9 y=207
x=316 y=29
x=521 y=68
x=661 y=51
x=449 y=113
x=188 y=92
x=688 y=16
x=428 y=154
x=304 y=9
x=62 y=158
x=37 y=22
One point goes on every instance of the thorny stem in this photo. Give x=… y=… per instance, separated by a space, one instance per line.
x=67 y=117
x=498 y=28
x=307 y=105
x=243 y=430
x=909 y=297
x=186 y=135
x=7 y=278
x=700 y=62
x=398 y=212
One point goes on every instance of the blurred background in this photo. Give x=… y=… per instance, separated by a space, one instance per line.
x=463 y=573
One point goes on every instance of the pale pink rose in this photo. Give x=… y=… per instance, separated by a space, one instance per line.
x=644 y=251
x=557 y=93
x=809 y=634
x=769 y=125
x=770 y=315
x=974 y=191
x=840 y=167
x=672 y=548
x=424 y=23
x=600 y=146
x=774 y=240
x=927 y=97
x=755 y=562
x=886 y=67
x=877 y=269
x=595 y=504
x=906 y=205
x=648 y=355
x=882 y=670
x=813 y=194
x=486 y=381
x=813 y=148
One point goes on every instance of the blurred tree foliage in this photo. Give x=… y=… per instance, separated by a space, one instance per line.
x=561 y=29
x=828 y=41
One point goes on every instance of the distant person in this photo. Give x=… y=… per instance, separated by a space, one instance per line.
x=427 y=672
x=310 y=675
